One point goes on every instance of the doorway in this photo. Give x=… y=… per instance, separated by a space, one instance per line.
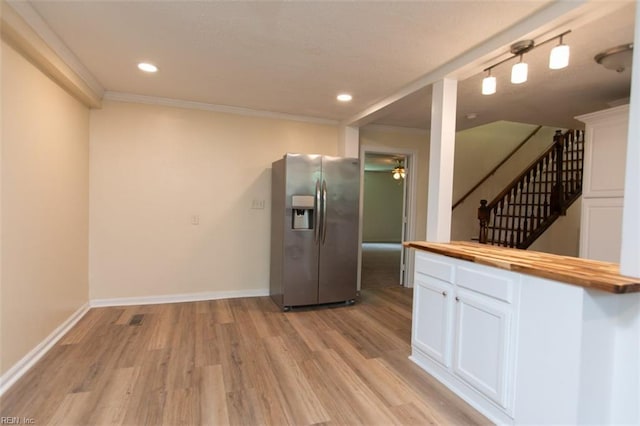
x=385 y=224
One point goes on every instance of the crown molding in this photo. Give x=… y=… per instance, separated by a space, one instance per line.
x=44 y=31
x=178 y=103
x=26 y=31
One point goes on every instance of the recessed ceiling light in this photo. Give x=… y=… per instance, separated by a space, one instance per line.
x=147 y=67
x=344 y=97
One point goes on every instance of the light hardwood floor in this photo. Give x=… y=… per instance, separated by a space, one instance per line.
x=238 y=361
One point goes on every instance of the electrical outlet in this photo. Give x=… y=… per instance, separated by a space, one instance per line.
x=257 y=204
x=195 y=219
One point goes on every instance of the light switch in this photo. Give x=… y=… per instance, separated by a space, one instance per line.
x=195 y=219
x=257 y=204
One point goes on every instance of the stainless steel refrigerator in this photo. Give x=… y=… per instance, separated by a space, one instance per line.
x=314 y=230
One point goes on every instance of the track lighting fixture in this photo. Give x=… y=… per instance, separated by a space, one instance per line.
x=558 y=59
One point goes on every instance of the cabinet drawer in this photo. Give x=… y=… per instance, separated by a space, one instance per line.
x=434 y=267
x=494 y=283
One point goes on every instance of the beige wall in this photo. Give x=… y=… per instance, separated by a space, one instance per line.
x=479 y=149
x=45 y=166
x=382 y=212
x=563 y=236
x=153 y=168
x=375 y=137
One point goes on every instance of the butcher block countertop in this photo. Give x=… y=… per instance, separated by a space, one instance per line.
x=571 y=270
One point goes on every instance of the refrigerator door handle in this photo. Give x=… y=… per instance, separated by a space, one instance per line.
x=324 y=210
x=316 y=217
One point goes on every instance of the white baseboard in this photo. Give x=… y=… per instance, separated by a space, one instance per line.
x=176 y=298
x=22 y=366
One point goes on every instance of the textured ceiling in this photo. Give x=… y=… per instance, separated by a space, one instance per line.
x=294 y=57
x=291 y=57
x=550 y=98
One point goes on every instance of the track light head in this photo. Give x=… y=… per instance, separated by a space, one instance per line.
x=489 y=85
x=559 y=56
x=519 y=72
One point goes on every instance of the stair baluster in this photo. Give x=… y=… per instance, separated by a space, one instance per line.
x=536 y=198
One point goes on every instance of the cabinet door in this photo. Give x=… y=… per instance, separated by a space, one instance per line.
x=482 y=329
x=605 y=152
x=338 y=267
x=432 y=315
x=601 y=229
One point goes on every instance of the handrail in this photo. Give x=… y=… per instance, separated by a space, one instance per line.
x=495 y=169
x=540 y=194
x=518 y=178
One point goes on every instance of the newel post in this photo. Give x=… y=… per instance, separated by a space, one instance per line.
x=557 y=194
x=484 y=214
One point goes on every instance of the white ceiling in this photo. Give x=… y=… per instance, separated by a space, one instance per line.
x=295 y=57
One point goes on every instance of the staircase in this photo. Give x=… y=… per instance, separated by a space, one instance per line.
x=536 y=198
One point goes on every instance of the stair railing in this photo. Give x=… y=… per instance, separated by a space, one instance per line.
x=537 y=197
x=496 y=168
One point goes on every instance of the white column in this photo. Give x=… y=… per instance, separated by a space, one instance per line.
x=443 y=138
x=630 y=250
x=349 y=142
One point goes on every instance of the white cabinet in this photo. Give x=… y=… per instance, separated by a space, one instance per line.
x=482 y=331
x=432 y=332
x=601 y=229
x=603 y=183
x=605 y=152
x=463 y=327
x=522 y=349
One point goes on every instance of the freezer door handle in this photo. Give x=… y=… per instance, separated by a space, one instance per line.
x=324 y=210
x=316 y=219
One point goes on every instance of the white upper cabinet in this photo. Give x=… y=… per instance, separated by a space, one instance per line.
x=605 y=152
x=603 y=184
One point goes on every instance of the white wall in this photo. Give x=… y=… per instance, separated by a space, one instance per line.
x=153 y=168
x=410 y=140
x=382 y=213
x=45 y=169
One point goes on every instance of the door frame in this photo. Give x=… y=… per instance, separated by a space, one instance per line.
x=409 y=204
